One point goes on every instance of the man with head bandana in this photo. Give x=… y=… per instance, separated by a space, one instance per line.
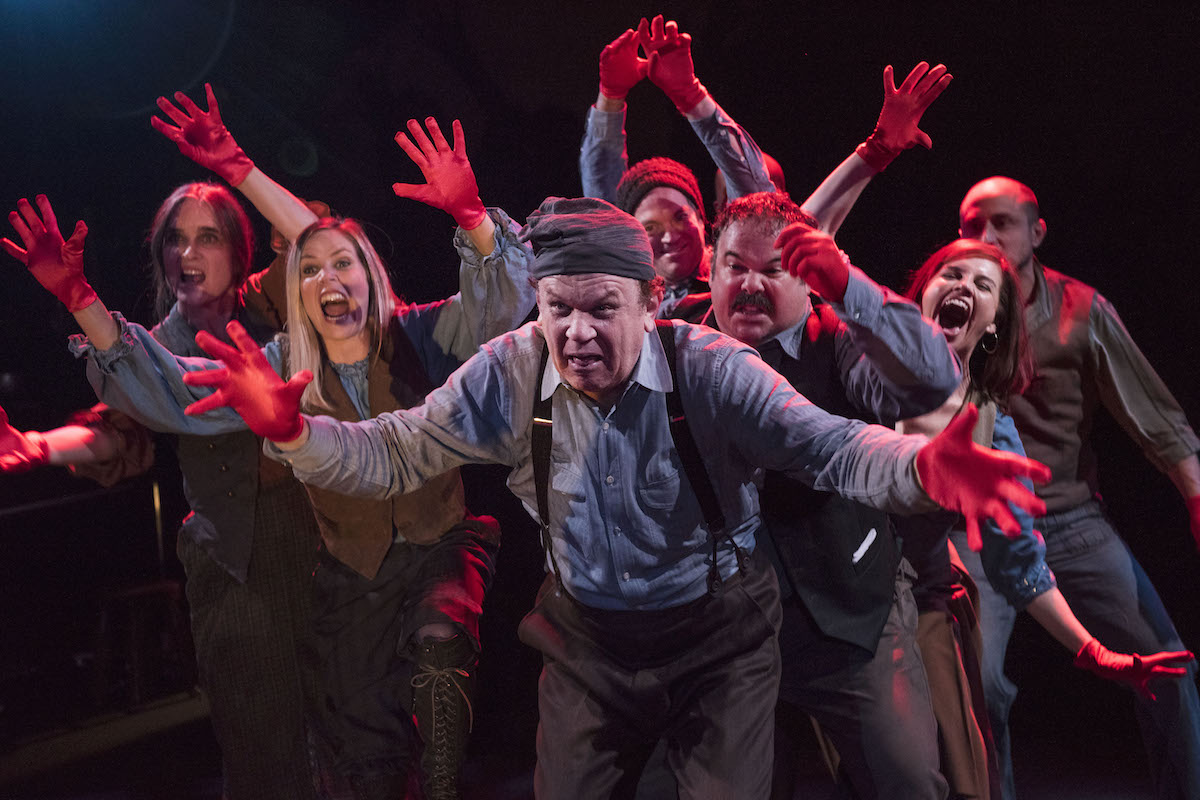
x=658 y=619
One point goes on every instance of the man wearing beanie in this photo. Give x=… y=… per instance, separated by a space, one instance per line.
x=663 y=196
x=637 y=446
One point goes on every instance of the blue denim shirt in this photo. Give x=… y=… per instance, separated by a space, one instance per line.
x=1016 y=568
x=603 y=159
x=626 y=527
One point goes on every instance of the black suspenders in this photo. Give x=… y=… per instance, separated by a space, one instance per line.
x=685 y=445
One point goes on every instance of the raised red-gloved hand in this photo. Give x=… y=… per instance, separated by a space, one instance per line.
x=1133 y=670
x=20 y=452
x=57 y=265
x=248 y=385
x=978 y=482
x=670 y=64
x=451 y=186
x=202 y=137
x=620 y=66
x=897 y=130
x=812 y=256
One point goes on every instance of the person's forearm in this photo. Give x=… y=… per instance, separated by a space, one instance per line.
x=1186 y=476
x=732 y=149
x=831 y=202
x=908 y=369
x=602 y=156
x=1052 y=612
x=482 y=236
x=606 y=103
x=280 y=207
x=97 y=324
x=79 y=444
x=705 y=108
x=299 y=441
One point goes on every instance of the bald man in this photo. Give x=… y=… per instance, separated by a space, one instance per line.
x=1085 y=358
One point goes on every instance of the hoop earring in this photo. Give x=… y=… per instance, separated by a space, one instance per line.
x=989 y=342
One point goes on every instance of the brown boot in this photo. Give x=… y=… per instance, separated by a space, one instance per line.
x=443 y=686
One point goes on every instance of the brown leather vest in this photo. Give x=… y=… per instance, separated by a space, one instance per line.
x=358 y=530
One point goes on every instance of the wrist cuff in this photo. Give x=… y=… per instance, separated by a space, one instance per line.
x=470 y=218
x=292 y=435
x=875 y=153
x=235 y=170
x=1086 y=658
x=78 y=296
x=690 y=97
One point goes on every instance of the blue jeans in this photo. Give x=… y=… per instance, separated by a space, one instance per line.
x=1114 y=599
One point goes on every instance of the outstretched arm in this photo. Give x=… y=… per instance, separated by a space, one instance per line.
x=1138 y=399
x=897 y=130
x=670 y=67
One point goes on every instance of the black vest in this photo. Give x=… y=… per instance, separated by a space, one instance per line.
x=839 y=557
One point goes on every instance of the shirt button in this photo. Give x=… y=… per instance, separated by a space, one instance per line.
x=625 y=576
x=229 y=493
x=224 y=468
x=604 y=427
x=617 y=530
x=609 y=480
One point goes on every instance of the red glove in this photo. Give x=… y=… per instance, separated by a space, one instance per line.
x=976 y=481
x=248 y=385
x=451 y=186
x=202 y=137
x=20 y=452
x=897 y=130
x=620 y=66
x=57 y=265
x=670 y=63
x=811 y=256
x=1133 y=670
x=1193 y=507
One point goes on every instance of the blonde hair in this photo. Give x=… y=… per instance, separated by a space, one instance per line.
x=305 y=349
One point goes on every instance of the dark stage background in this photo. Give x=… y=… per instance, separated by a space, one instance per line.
x=1093 y=107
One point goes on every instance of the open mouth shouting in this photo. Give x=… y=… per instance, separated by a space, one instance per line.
x=336 y=308
x=191 y=276
x=953 y=313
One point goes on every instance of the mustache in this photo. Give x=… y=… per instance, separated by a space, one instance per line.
x=753 y=300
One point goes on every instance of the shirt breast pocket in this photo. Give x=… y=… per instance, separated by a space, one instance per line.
x=661 y=493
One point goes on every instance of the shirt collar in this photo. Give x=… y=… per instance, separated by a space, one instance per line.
x=790 y=339
x=651 y=371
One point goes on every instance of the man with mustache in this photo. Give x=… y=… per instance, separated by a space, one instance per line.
x=849 y=618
